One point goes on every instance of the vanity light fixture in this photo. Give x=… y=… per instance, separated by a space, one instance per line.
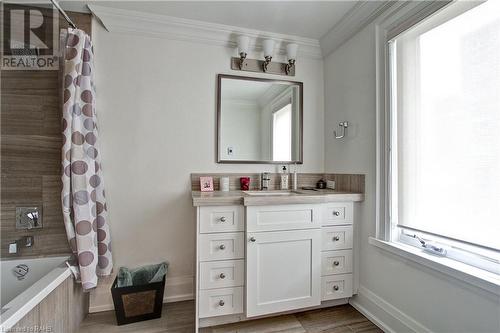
x=242 y=63
x=243 y=42
x=291 y=54
x=268 y=46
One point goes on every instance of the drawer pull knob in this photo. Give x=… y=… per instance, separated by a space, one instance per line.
x=252 y=239
x=336 y=238
x=222 y=246
x=223 y=219
x=336 y=213
x=222 y=275
x=335 y=287
x=336 y=263
x=221 y=303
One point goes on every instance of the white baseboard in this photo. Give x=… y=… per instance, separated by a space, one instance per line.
x=101 y=308
x=176 y=289
x=383 y=314
x=178 y=298
x=110 y=307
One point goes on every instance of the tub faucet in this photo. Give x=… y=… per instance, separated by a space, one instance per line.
x=25 y=241
x=265 y=178
x=28 y=241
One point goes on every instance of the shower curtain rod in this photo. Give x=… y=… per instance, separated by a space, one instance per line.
x=63 y=13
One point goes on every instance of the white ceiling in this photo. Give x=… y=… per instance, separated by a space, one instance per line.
x=311 y=19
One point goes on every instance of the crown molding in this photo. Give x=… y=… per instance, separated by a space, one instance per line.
x=362 y=14
x=169 y=27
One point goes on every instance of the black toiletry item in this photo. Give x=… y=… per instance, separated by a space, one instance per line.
x=321 y=184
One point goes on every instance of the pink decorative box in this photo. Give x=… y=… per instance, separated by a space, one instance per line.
x=206 y=184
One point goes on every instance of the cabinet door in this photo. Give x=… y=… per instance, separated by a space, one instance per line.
x=283 y=271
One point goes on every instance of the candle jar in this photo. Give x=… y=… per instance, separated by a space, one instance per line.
x=224 y=184
x=245 y=183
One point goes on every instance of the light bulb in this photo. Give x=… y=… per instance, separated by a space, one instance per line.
x=291 y=51
x=268 y=46
x=243 y=42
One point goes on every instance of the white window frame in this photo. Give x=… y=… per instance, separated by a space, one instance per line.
x=397 y=19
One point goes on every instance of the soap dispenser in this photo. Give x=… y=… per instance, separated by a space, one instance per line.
x=284 y=179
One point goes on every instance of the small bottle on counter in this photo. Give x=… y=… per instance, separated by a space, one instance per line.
x=295 y=177
x=284 y=179
x=224 y=184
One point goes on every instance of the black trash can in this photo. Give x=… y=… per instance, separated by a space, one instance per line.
x=138 y=303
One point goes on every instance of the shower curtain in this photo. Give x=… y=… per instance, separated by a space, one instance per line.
x=83 y=199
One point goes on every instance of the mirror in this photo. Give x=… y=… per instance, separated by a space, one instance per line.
x=259 y=120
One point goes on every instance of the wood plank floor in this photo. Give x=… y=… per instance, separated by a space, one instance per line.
x=179 y=318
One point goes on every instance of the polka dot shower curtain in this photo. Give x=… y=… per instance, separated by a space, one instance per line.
x=83 y=200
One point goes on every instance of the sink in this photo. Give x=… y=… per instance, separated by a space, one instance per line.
x=269 y=193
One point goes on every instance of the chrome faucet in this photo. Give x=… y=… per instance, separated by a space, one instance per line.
x=32 y=219
x=25 y=241
x=28 y=241
x=265 y=178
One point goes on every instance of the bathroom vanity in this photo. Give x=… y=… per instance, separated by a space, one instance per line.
x=265 y=253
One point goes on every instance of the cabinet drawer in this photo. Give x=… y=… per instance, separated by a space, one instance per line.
x=221 y=219
x=218 y=302
x=336 y=238
x=336 y=262
x=337 y=213
x=222 y=274
x=221 y=246
x=283 y=217
x=336 y=286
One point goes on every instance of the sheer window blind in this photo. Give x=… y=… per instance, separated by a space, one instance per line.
x=446 y=126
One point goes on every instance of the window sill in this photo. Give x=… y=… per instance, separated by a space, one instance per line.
x=463 y=272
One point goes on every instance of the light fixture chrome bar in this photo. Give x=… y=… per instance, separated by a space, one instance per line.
x=63 y=13
x=255 y=65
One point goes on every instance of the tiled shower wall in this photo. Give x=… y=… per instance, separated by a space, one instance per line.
x=31 y=154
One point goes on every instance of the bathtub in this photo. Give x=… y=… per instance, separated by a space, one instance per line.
x=25 y=283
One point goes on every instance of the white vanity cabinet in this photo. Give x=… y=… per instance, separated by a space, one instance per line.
x=260 y=260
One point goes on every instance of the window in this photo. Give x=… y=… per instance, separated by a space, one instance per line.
x=282 y=133
x=444 y=160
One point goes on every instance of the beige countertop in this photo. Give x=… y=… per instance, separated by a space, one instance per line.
x=295 y=197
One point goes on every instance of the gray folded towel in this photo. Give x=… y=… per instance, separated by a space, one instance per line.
x=142 y=275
